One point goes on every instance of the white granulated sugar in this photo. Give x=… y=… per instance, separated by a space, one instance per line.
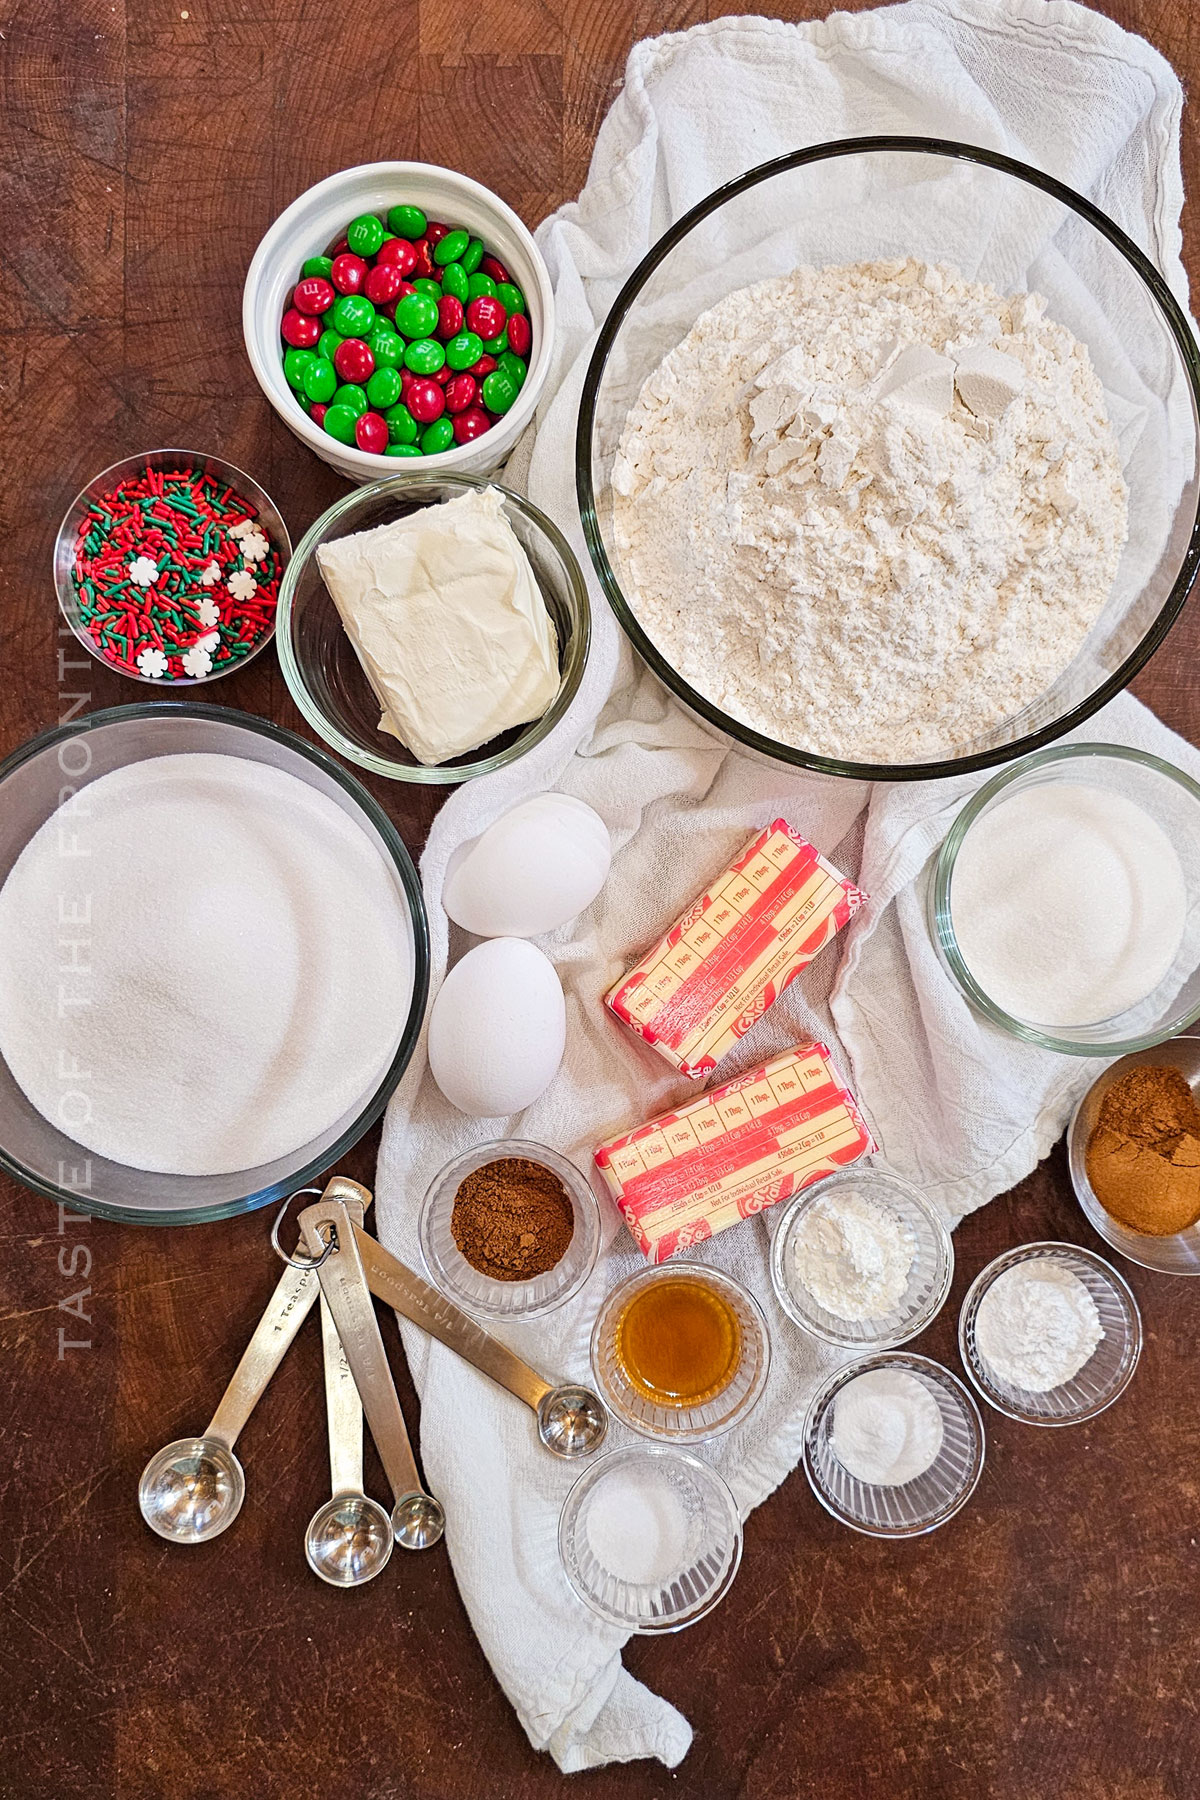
x=1037 y=1325
x=853 y=1256
x=871 y=511
x=204 y=963
x=637 y=1527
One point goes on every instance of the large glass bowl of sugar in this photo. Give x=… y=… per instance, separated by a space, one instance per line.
x=1065 y=900
x=1000 y=223
x=51 y=776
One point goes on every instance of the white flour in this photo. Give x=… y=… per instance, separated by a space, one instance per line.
x=870 y=510
x=204 y=963
x=1037 y=1325
x=853 y=1256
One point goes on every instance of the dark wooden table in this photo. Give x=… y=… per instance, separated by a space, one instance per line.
x=1043 y=1645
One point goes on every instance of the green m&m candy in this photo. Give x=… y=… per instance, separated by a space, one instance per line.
x=387 y=346
x=402 y=427
x=510 y=296
x=416 y=315
x=365 y=234
x=407 y=221
x=499 y=391
x=353 y=315
x=339 y=422
x=454 y=281
x=320 y=379
x=437 y=437
x=513 y=367
x=472 y=256
x=383 y=389
x=404 y=450
x=480 y=284
x=352 y=397
x=294 y=364
x=450 y=250
x=425 y=284
x=496 y=346
x=464 y=350
x=424 y=356
x=317 y=265
x=328 y=342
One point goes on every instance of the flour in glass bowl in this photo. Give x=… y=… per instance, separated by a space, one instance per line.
x=871 y=511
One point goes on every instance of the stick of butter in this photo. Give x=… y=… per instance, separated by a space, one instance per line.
x=448 y=622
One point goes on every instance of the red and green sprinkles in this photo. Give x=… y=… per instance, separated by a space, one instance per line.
x=175 y=578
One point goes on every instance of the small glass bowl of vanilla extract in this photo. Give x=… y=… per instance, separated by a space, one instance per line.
x=680 y=1352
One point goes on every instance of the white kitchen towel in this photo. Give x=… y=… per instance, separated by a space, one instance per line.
x=958 y=1107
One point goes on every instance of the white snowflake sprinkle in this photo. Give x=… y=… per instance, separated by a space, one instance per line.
x=254 y=546
x=243 y=525
x=208 y=612
x=152 y=663
x=210 y=574
x=208 y=642
x=242 y=584
x=197 y=662
x=143 y=570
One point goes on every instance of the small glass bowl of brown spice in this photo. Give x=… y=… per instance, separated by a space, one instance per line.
x=1134 y=1147
x=509 y=1230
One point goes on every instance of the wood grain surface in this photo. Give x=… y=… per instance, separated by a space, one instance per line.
x=1040 y=1648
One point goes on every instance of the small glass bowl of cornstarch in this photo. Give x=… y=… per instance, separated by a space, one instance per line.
x=1033 y=1314
x=920 y=1419
x=861 y=1260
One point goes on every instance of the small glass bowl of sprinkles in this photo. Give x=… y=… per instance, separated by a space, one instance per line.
x=167 y=567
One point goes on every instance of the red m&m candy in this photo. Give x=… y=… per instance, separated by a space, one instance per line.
x=486 y=316
x=460 y=392
x=492 y=266
x=435 y=232
x=318 y=413
x=348 y=273
x=425 y=400
x=483 y=367
x=397 y=253
x=383 y=283
x=313 y=295
x=424 y=256
x=301 y=330
x=450 y=317
x=470 y=424
x=371 y=433
x=520 y=334
x=354 y=360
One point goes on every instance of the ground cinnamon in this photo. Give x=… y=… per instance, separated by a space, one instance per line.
x=1143 y=1157
x=512 y=1219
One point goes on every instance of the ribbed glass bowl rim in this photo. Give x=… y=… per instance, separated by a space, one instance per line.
x=1176 y=324
x=1090 y=1204
x=943 y=875
x=392 y=843
x=1008 y=1259
x=442 y=774
x=118 y=471
x=501 y=1149
x=895 y=1358
x=864 y=1176
x=590 y=1478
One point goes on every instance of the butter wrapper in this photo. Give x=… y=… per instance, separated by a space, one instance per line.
x=733 y=1151
x=736 y=948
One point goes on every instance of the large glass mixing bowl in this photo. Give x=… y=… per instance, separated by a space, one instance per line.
x=999 y=222
x=34 y=781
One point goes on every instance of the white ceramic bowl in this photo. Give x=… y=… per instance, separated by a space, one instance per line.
x=317 y=219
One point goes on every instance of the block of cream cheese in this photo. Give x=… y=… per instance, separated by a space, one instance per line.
x=448 y=622
x=733 y=1151
x=735 y=949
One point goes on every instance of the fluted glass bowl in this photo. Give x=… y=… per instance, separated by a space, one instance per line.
x=32 y=783
x=1000 y=222
x=324 y=675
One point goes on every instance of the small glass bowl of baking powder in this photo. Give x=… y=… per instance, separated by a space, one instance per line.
x=480 y=1294
x=910 y=1508
x=877 y=1257
x=1108 y=1370
x=650 y=1538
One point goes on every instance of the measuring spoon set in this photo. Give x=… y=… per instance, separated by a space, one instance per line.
x=193 y=1489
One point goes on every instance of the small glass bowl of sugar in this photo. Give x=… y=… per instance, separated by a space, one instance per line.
x=861 y=1260
x=1046 y=1304
x=650 y=1538
x=893 y=1445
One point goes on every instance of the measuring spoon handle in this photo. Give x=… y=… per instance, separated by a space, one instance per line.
x=294 y=1297
x=344 y=1286
x=343 y=1408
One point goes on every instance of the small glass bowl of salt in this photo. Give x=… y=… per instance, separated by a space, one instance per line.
x=1050 y=1334
x=893 y=1445
x=650 y=1538
x=861 y=1260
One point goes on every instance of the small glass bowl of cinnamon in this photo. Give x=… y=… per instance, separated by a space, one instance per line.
x=1134 y=1149
x=509 y=1230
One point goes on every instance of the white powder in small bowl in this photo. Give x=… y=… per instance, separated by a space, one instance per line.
x=1037 y=1325
x=887 y=1427
x=637 y=1527
x=853 y=1255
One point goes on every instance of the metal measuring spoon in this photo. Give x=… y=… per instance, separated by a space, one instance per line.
x=349 y=1539
x=417 y=1518
x=193 y=1489
x=571 y=1420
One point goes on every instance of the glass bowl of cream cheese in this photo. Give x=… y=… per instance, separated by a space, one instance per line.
x=433 y=628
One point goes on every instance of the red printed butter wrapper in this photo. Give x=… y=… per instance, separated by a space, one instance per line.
x=734 y=950
x=734 y=1151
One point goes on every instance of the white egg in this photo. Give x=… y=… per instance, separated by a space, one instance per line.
x=538 y=866
x=497 y=1028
